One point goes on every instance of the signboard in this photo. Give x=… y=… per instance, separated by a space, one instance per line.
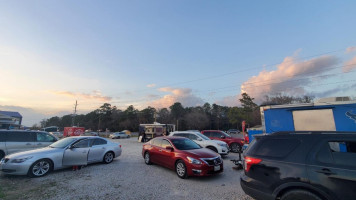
x=73 y=131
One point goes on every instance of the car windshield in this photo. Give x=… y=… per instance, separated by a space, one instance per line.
x=63 y=142
x=226 y=135
x=185 y=144
x=203 y=136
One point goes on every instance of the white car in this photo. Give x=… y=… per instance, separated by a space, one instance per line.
x=219 y=147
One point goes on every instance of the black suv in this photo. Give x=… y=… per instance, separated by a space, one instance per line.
x=301 y=165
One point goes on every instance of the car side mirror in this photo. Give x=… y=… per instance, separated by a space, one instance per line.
x=169 y=148
x=223 y=136
x=199 y=139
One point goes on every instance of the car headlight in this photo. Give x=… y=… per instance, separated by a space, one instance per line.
x=21 y=160
x=222 y=144
x=194 y=161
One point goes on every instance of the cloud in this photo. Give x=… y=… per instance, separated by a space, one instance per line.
x=350 y=49
x=96 y=95
x=290 y=77
x=230 y=101
x=349 y=65
x=182 y=95
x=151 y=85
x=341 y=90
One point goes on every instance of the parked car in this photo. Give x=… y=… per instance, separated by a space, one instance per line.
x=219 y=147
x=233 y=131
x=90 y=133
x=12 y=141
x=301 y=165
x=118 y=135
x=235 y=144
x=70 y=151
x=183 y=155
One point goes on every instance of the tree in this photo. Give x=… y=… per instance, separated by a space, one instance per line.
x=164 y=116
x=235 y=116
x=250 y=110
x=196 y=120
x=280 y=99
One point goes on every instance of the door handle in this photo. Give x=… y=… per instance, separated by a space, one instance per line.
x=326 y=172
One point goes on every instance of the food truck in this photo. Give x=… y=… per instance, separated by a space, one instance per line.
x=155 y=130
x=73 y=131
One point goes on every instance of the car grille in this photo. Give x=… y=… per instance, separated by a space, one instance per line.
x=212 y=161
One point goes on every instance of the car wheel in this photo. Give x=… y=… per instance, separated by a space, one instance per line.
x=181 y=169
x=118 y=137
x=299 y=195
x=147 y=158
x=236 y=148
x=213 y=148
x=128 y=136
x=40 y=168
x=108 y=157
x=2 y=154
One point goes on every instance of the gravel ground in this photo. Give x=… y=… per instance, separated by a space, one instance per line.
x=127 y=177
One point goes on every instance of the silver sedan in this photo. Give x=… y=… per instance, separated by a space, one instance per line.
x=80 y=150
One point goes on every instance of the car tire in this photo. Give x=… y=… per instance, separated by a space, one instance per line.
x=108 y=157
x=118 y=137
x=236 y=148
x=299 y=195
x=181 y=169
x=40 y=168
x=147 y=158
x=2 y=154
x=213 y=149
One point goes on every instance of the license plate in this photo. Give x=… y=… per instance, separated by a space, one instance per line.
x=217 y=168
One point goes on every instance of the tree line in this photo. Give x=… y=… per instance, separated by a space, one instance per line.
x=108 y=117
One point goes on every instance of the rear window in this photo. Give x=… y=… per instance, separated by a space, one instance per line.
x=274 y=148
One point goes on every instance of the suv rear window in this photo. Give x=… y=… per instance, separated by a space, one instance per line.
x=275 y=148
x=18 y=136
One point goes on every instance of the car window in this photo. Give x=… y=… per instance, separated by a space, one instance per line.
x=324 y=154
x=2 y=136
x=203 y=136
x=19 y=136
x=216 y=134
x=82 y=144
x=165 y=144
x=276 y=148
x=156 y=142
x=99 y=141
x=343 y=152
x=192 y=137
x=208 y=134
x=44 y=137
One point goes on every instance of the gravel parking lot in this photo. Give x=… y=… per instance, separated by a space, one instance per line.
x=127 y=177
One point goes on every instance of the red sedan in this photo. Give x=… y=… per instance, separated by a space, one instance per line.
x=183 y=155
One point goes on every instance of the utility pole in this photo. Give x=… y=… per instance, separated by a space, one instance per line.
x=75 y=112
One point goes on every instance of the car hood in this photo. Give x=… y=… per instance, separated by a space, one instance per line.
x=34 y=152
x=201 y=153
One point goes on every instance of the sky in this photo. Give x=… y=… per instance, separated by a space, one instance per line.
x=158 y=52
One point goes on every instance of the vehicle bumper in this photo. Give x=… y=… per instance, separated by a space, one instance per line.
x=15 y=168
x=204 y=170
x=252 y=190
x=223 y=151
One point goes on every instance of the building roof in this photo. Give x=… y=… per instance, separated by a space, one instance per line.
x=11 y=114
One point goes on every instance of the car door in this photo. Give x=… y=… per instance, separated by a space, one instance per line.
x=97 y=150
x=166 y=156
x=333 y=167
x=77 y=154
x=43 y=140
x=154 y=152
x=19 y=141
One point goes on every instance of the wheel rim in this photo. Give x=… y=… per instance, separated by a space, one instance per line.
x=235 y=148
x=147 y=158
x=40 y=168
x=180 y=169
x=109 y=157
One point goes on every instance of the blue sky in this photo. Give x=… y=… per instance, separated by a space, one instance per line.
x=145 y=53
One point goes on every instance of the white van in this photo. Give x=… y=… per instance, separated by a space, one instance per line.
x=12 y=141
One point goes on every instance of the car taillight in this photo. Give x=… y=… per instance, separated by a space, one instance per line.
x=249 y=161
